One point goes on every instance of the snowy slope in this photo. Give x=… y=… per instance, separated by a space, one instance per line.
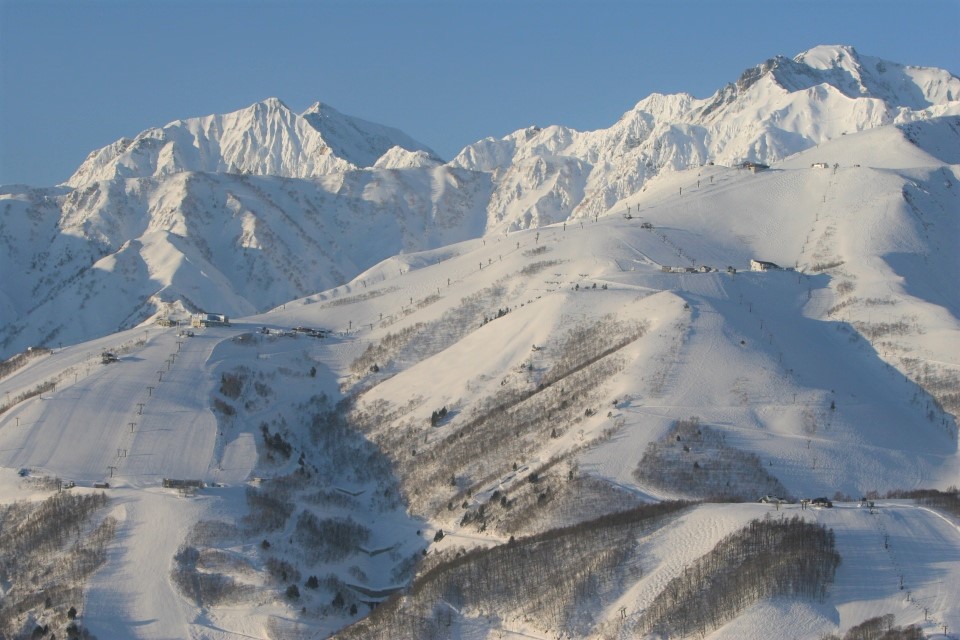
x=867 y=584
x=562 y=356
x=127 y=250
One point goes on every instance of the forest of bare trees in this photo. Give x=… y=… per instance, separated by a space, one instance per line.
x=18 y=360
x=47 y=551
x=880 y=628
x=539 y=578
x=947 y=501
x=695 y=460
x=299 y=520
x=491 y=439
x=769 y=557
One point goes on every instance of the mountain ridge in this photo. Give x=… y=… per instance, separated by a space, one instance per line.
x=340 y=174
x=266 y=138
x=754 y=119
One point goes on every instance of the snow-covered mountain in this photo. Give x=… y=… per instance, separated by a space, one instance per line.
x=458 y=400
x=772 y=111
x=474 y=446
x=107 y=256
x=266 y=138
x=241 y=212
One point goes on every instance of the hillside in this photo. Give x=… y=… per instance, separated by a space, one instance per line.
x=126 y=251
x=511 y=386
x=238 y=213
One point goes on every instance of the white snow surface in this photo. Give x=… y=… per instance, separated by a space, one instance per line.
x=814 y=370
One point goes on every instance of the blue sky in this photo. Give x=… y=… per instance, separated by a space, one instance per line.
x=76 y=75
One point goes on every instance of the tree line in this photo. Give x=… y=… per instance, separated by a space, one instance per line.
x=694 y=460
x=545 y=578
x=768 y=557
x=47 y=552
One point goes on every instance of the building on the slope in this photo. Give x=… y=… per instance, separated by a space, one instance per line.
x=209 y=320
x=760 y=265
x=819 y=165
x=754 y=167
x=174 y=483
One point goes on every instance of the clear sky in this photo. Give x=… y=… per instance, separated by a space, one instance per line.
x=76 y=75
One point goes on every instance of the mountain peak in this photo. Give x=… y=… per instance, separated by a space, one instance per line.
x=265 y=138
x=321 y=108
x=272 y=104
x=828 y=56
x=794 y=74
x=854 y=75
x=359 y=141
x=775 y=109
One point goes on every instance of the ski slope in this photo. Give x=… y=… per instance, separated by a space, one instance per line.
x=144 y=417
x=878 y=547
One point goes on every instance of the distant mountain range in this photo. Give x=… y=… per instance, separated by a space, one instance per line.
x=242 y=212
